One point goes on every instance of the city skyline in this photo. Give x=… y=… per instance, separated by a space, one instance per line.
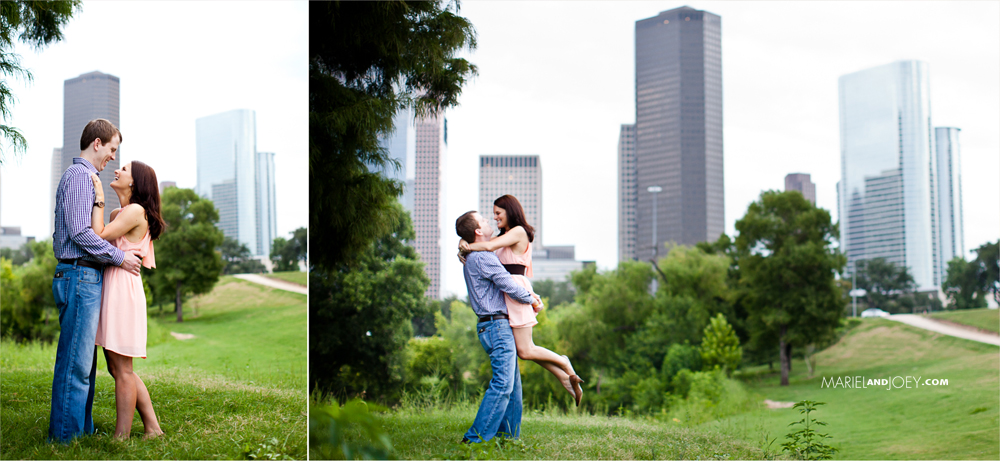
x=256 y=58
x=562 y=84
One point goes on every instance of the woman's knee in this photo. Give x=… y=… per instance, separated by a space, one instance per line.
x=525 y=353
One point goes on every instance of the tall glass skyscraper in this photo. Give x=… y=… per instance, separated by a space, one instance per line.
x=887 y=193
x=89 y=96
x=517 y=175
x=238 y=179
x=678 y=128
x=949 y=164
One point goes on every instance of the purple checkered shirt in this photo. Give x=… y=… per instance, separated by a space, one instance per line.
x=486 y=281
x=73 y=237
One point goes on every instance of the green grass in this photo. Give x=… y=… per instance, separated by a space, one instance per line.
x=957 y=421
x=296 y=277
x=428 y=433
x=237 y=388
x=984 y=319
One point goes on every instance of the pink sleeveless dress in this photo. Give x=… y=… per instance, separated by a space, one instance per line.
x=122 y=326
x=521 y=315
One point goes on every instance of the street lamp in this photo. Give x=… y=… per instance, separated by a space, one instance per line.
x=654 y=190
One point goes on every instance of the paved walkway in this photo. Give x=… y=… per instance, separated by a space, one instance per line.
x=273 y=283
x=943 y=328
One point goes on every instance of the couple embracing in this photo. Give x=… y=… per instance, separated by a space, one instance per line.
x=500 y=295
x=97 y=286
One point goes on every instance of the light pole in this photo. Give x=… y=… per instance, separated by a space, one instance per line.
x=654 y=190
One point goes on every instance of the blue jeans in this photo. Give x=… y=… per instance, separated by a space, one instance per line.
x=77 y=291
x=500 y=411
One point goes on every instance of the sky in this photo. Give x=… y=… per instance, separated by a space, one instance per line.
x=177 y=61
x=557 y=79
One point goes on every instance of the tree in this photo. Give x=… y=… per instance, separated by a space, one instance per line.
x=963 y=284
x=286 y=254
x=368 y=60
x=720 y=346
x=360 y=316
x=34 y=23
x=988 y=259
x=787 y=265
x=237 y=258
x=18 y=256
x=28 y=308
x=884 y=282
x=555 y=292
x=186 y=258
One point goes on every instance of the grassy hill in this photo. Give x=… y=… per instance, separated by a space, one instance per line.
x=984 y=319
x=236 y=389
x=296 y=277
x=960 y=420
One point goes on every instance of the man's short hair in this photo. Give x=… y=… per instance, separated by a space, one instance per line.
x=99 y=128
x=466 y=226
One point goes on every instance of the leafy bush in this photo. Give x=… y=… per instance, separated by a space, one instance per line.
x=680 y=357
x=350 y=431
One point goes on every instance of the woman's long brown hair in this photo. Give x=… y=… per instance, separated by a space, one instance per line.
x=146 y=192
x=515 y=215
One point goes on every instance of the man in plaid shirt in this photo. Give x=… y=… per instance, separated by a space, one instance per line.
x=76 y=285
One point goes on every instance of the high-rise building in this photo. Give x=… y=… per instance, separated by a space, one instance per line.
x=419 y=146
x=267 y=219
x=678 y=128
x=165 y=184
x=430 y=148
x=238 y=179
x=89 y=96
x=626 y=193
x=802 y=183
x=949 y=193
x=887 y=192
x=517 y=175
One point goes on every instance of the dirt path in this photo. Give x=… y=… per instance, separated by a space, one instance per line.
x=279 y=284
x=943 y=328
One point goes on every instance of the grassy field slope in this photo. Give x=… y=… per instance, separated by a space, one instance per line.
x=234 y=390
x=435 y=433
x=296 y=277
x=984 y=319
x=960 y=420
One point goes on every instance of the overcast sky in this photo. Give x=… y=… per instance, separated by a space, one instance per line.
x=177 y=61
x=557 y=79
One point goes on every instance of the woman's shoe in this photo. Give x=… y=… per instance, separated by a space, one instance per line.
x=577 y=389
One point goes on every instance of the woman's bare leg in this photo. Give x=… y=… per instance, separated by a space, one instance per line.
x=145 y=407
x=120 y=367
x=558 y=365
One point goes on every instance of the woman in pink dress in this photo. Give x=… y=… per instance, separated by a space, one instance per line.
x=513 y=248
x=121 y=330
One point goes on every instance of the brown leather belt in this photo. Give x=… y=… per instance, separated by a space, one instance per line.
x=487 y=318
x=82 y=262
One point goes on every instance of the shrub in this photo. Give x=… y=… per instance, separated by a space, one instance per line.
x=720 y=346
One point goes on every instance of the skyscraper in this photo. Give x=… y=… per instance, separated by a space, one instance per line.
x=430 y=148
x=267 y=219
x=517 y=175
x=802 y=183
x=238 y=179
x=419 y=145
x=89 y=96
x=678 y=127
x=887 y=191
x=626 y=193
x=949 y=194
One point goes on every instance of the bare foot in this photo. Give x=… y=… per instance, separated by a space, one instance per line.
x=152 y=435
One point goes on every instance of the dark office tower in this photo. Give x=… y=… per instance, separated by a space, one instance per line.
x=678 y=118
x=89 y=96
x=802 y=183
x=626 y=193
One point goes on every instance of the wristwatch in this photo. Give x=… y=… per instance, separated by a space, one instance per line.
x=99 y=204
